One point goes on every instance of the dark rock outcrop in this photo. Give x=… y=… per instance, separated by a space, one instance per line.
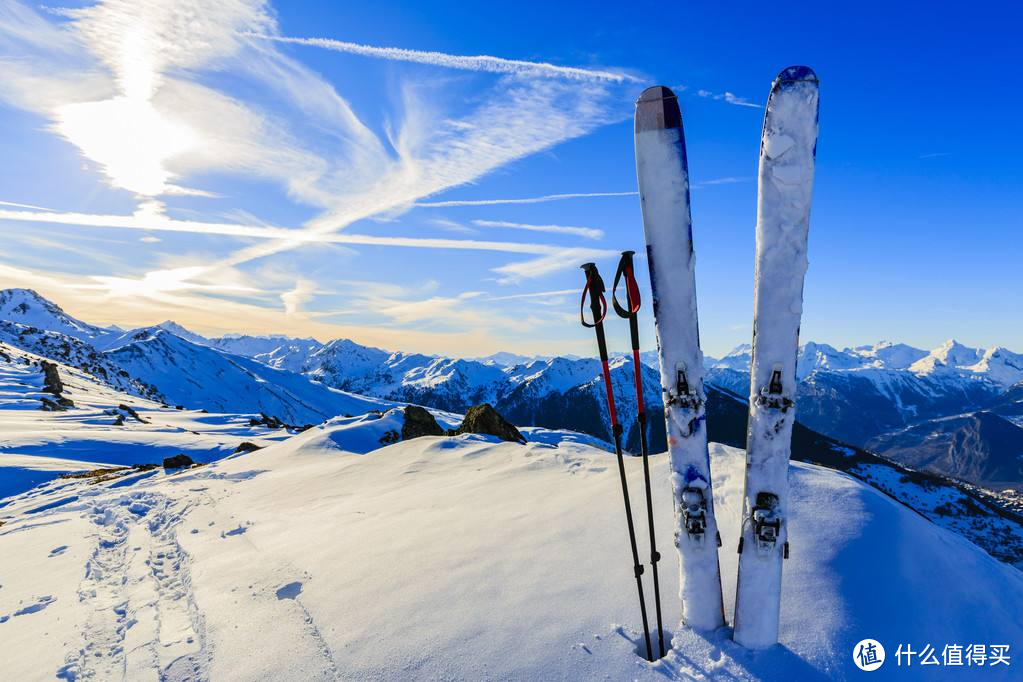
x=132 y=413
x=484 y=419
x=51 y=378
x=419 y=422
x=246 y=446
x=177 y=462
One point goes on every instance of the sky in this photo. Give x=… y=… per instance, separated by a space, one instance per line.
x=428 y=176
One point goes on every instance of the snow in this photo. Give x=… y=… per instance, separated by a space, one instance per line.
x=37 y=446
x=453 y=558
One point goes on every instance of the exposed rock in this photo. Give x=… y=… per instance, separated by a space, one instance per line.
x=95 y=473
x=267 y=421
x=177 y=462
x=391 y=436
x=51 y=378
x=246 y=446
x=419 y=422
x=131 y=411
x=485 y=419
x=58 y=405
x=119 y=421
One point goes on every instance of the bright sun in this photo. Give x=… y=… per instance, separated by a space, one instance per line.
x=129 y=138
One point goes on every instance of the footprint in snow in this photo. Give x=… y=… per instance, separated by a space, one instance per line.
x=57 y=551
x=40 y=604
x=289 y=591
x=240 y=530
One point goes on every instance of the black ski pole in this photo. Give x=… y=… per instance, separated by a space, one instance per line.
x=630 y=311
x=598 y=307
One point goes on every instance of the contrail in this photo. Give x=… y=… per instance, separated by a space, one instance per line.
x=527 y=200
x=485 y=63
x=164 y=224
x=587 y=232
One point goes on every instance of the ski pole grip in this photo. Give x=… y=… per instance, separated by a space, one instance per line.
x=632 y=300
x=595 y=290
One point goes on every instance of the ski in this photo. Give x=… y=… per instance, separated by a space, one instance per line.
x=663 y=176
x=787 y=149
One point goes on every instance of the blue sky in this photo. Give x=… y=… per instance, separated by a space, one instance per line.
x=241 y=166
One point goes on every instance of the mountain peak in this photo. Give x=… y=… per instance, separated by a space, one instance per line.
x=28 y=307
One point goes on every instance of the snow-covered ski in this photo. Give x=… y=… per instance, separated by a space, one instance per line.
x=787 y=150
x=663 y=175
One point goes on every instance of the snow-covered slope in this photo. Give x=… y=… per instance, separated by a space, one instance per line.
x=454 y=558
x=72 y=351
x=103 y=427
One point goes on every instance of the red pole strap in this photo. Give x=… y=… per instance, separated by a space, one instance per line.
x=632 y=290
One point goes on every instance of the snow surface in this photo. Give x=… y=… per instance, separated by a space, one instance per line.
x=453 y=558
x=37 y=446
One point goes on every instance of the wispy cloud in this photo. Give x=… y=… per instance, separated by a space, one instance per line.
x=161 y=223
x=15 y=205
x=295 y=298
x=536 y=294
x=451 y=226
x=126 y=84
x=587 y=232
x=513 y=273
x=485 y=63
x=728 y=97
x=732 y=180
x=524 y=200
x=933 y=155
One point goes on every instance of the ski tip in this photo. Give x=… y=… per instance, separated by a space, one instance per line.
x=657 y=109
x=796 y=74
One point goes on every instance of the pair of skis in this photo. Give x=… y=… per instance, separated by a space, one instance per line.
x=594 y=290
x=787 y=152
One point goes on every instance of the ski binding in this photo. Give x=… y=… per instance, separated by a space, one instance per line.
x=766 y=521
x=771 y=396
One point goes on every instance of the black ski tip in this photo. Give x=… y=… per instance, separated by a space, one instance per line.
x=657 y=109
x=795 y=74
x=587 y=267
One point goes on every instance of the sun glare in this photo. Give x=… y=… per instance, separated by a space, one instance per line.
x=129 y=138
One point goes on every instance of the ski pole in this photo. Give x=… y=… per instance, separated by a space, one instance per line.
x=598 y=307
x=630 y=311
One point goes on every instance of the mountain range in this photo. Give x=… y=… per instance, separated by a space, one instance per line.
x=954 y=410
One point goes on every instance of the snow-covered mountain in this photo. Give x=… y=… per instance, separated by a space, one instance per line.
x=856 y=394
x=282 y=352
x=26 y=307
x=981 y=447
x=200 y=376
x=999 y=366
x=72 y=351
x=308 y=560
